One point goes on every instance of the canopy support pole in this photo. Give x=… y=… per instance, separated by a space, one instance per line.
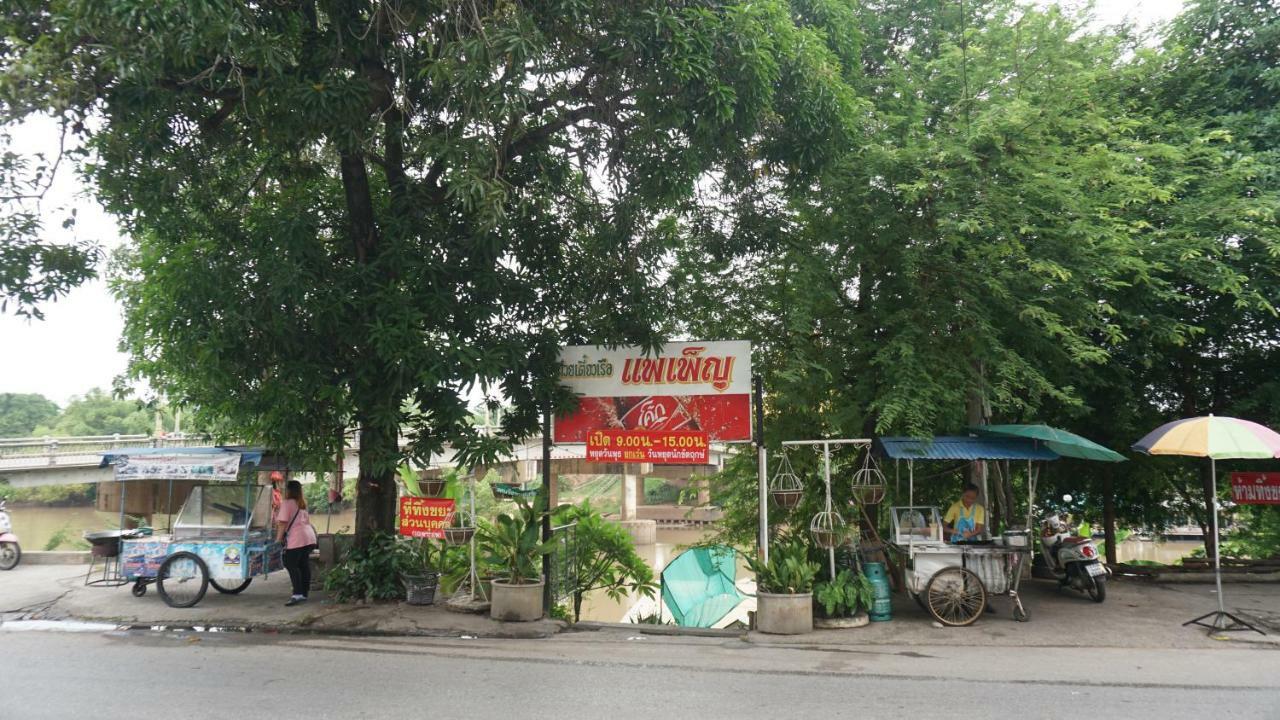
x=1222 y=620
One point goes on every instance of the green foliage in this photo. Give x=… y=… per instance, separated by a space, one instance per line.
x=788 y=572
x=604 y=557
x=317 y=496
x=512 y=545
x=452 y=562
x=49 y=494
x=64 y=536
x=20 y=413
x=334 y=227
x=374 y=571
x=34 y=269
x=845 y=595
x=98 y=413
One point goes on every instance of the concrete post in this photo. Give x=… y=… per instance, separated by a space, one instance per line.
x=629 y=504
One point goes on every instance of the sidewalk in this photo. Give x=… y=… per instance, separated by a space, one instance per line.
x=1137 y=614
x=57 y=592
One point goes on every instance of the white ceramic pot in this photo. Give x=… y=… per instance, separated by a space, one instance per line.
x=784 y=614
x=516 y=603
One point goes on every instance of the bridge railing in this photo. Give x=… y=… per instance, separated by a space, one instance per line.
x=53 y=447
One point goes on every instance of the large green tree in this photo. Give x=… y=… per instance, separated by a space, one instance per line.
x=98 y=413
x=1033 y=230
x=353 y=213
x=20 y=413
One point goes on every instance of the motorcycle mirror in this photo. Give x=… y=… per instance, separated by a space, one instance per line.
x=1066 y=498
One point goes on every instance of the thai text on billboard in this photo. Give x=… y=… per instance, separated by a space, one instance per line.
x=684 y=386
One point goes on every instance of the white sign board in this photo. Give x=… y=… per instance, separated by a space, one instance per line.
x=214 y=467
x=679 y=368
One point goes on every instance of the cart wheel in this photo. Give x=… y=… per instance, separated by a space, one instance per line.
x=230 y=589
x=955 y=597
x=183 y=580
x=139 y=588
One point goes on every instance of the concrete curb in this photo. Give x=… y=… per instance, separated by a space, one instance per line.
x=55 y=557
x=667 y=630
x=509 y=631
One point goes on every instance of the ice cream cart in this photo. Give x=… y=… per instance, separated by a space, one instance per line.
x=222 y=536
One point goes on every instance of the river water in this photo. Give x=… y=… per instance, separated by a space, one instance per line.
x=35 y=526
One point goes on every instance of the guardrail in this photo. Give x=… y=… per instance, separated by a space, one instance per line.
x=54 y=447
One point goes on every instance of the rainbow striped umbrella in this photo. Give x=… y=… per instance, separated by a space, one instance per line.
x=1217 y=438
x=1212 y=437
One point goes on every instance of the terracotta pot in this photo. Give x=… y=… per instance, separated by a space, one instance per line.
x=784 y=614
x=516 y=603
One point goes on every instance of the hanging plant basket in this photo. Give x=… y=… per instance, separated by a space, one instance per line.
x=459 y=535
x=430 y=486
x=868 y=482
x=786 y=488
x=828 y=529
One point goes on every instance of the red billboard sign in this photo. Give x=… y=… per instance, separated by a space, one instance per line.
x=686 y=386
x=648 y=446
x=425 y=517
x=1255 y=488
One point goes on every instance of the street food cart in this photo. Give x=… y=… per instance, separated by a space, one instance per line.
x=950 y=580
x=223 y=534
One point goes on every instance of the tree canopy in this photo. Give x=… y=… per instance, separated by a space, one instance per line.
x=350 y=213
x=21 y=413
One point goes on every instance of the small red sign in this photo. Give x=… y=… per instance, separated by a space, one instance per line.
x=425 y=517
x=661 y=447
x=1255 y=488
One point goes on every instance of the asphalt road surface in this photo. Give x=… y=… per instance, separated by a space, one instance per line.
x=99 y=675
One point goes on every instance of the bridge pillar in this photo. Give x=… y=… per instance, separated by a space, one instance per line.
x=629 y=482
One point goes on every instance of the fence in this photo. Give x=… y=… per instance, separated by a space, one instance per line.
x=564 y=566
x=47 y=450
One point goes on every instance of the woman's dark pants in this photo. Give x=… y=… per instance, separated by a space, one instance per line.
x=298 y=562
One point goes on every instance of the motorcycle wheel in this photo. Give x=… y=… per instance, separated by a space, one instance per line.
x=10 y=555
x=1098 y=590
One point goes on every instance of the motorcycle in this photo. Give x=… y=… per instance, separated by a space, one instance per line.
x=1072 y=559
x=10 y=551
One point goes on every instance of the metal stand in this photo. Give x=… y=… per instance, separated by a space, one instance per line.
x=1220 y=616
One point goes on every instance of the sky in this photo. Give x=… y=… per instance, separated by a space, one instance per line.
x=76 y=346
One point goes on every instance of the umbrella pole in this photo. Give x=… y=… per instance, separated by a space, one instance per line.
x=1222 y=620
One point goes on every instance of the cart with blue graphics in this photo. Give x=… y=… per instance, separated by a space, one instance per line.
x=222 y=536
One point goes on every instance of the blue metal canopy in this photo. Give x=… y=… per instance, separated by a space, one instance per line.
x=963 y=448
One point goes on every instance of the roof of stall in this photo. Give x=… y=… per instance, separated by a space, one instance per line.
x=961 y=447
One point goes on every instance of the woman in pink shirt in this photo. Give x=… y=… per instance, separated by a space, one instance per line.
x=294 y=531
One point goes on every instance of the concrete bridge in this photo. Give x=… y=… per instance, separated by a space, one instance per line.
x=33 y=462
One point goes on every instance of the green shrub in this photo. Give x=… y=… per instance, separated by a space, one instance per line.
x=374 y=571
x=843 y=596
x=788 y=572
x=604 y=558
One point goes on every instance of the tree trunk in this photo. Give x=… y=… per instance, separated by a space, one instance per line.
x=376 y=488
x=1109 y=516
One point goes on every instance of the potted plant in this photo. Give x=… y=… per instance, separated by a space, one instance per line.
x=843 y=601
x=784 y=590
x=513 y=544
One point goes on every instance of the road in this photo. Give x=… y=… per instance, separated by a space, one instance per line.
x=120 y=674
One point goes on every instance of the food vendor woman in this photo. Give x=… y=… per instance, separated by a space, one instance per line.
x=965 y=519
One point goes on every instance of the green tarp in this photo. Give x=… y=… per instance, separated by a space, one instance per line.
x=698 y=586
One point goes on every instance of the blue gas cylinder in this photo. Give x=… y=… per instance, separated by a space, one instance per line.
x=882 y=608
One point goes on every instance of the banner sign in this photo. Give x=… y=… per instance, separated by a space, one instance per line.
x=687 y=447
x=425 y=517
x=216 y=467
x=1255 y=488
x=686 y=386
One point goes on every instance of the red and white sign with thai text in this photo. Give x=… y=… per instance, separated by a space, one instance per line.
x=686 y=386
x=1255 y=488
x=678 y=447
x=425 y=517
